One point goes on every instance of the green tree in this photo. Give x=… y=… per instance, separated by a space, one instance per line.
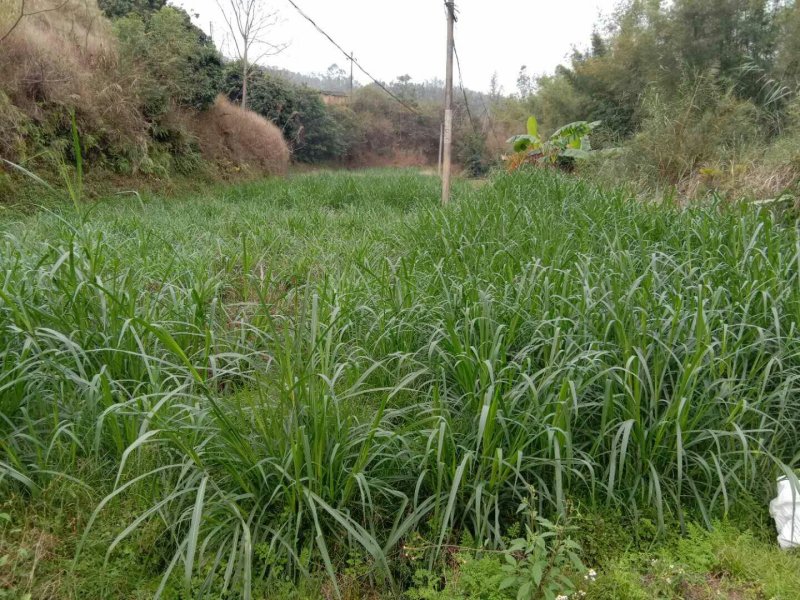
x=312 y=130
x=787 y=59
x=657 y=45
x=172 y=60
x=114 y=9
x=524 y=82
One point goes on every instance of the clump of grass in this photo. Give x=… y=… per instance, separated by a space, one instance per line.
x=333 y=363
x=725 y=561
x=233 y=135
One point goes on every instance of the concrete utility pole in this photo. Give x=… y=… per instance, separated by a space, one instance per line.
x=441 y=146
x=448 y=105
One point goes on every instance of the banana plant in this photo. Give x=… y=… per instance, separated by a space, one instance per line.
x=530 y=141
x=568 y=142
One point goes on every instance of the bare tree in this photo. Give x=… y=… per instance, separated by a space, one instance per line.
x=249 y=22
x=25 y=12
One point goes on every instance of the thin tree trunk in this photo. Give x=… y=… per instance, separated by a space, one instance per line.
x=244 y=77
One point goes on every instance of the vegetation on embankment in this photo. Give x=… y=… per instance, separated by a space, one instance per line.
x=149 y=91
x=701 y=97
x=695 y=98
x=331 y=380
x=142 y=92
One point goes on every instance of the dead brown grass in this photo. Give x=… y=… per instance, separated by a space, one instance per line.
x=64 y=61
x=753 y=180
x=238 y=138
x=59 y=62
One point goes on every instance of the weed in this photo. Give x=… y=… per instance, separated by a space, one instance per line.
x=292 y=373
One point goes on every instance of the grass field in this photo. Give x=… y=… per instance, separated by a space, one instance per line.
x=320 y=386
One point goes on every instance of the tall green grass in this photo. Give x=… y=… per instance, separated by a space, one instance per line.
x=297 y=370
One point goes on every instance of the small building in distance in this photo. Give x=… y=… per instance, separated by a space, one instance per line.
x=334 y=98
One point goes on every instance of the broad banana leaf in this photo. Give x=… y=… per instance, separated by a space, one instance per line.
x=524 y=142
x=533 y=127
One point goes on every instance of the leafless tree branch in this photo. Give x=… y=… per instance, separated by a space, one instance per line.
x=249 y=22
x=22 y=14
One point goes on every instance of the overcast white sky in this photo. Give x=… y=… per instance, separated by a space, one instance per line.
x=395 y=38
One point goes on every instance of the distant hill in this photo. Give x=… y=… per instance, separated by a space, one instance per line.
x=337 y=79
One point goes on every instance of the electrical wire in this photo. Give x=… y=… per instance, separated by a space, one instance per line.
x=463 y=90
x=354 y=61
x=451 y=6
x=448 y=6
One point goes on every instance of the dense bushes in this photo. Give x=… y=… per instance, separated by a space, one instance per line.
x=679 y=135
x=172 y=61
x=56 y=65
x=706 y=141
x=120 y=8
x=390 y=131
x=311 y=129
x=696 y=94
x=372 y=129
x=138 y=88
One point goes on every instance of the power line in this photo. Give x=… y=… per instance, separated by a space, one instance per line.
x=480 y=97
x=352 y=60
x=466 y=102
x=488 y=117
x=463 y=89
x=450 y=6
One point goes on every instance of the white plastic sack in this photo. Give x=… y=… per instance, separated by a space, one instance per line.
x=785 y=509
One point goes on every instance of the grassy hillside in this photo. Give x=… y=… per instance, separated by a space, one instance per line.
x=330 y=381
x=141 y=91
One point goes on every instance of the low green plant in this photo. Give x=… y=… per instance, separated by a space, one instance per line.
x=603 y=535
x=281 y=376
x=619 y=580
x=472 y=154
x=567 y=143
x=544 y=563
x=471 y=577
x=723 y=562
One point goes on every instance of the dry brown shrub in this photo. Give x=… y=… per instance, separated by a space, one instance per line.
x=64 y=61
x=229 y=134
x=751 y=180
